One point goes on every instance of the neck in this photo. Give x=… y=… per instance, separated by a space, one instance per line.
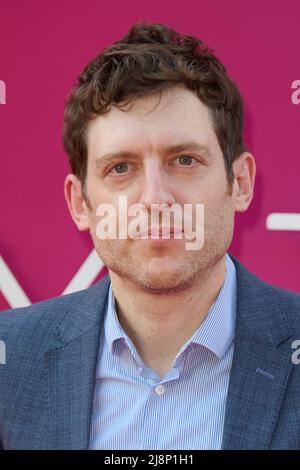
x=160 y=324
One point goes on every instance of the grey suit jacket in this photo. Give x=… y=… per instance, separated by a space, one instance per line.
x=47 y=382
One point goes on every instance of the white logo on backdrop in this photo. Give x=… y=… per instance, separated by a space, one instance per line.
x=84 y=277
x=283 y=221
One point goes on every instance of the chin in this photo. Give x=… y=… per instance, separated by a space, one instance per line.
x=163 y=281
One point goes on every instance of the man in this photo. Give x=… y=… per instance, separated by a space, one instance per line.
x=174 y=348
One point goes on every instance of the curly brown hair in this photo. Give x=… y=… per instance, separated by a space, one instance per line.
x=150 y=58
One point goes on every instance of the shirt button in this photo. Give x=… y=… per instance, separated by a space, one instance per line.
x=160 y=389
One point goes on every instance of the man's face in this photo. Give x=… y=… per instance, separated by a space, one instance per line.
x=149 y=174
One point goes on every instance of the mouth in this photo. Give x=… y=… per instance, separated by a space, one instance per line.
x=161 y=234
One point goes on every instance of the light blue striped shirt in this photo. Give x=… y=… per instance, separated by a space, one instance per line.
x=134 y=408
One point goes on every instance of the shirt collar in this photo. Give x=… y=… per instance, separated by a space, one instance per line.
x=215 y=333
x=112 y=327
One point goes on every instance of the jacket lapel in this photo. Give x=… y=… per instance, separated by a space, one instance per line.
x=71 y=370
x=260 y=369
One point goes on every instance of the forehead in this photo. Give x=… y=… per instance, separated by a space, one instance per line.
x=155 y=120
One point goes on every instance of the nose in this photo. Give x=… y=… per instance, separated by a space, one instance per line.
x=156 y=185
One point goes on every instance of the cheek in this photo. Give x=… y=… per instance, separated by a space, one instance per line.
x=210 y=194
x=98 y=194
x=218 y=204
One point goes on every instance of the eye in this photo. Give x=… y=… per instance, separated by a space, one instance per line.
x=120 y=168
x=186 y=160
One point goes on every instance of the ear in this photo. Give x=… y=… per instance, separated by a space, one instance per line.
x=244 y=169
x=76 y=203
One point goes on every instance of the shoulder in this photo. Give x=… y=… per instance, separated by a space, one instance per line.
x=287 y=302
x=268 y=299
x=46 y=315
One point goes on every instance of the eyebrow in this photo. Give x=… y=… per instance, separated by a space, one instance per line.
x=177 y=148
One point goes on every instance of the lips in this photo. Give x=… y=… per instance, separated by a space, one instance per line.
x=168 y=232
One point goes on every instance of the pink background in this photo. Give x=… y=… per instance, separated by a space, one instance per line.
x=43 y=47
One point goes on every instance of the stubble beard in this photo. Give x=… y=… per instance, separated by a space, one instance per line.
x=119 y=257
